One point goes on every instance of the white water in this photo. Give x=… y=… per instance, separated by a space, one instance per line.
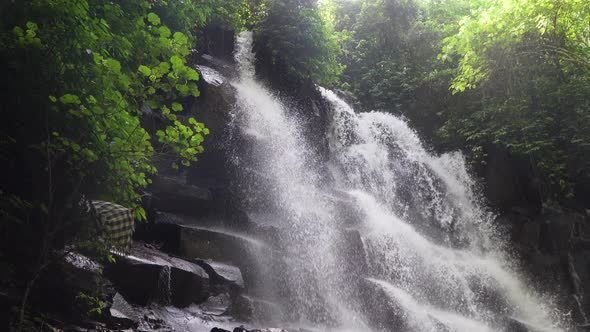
x=430 y=247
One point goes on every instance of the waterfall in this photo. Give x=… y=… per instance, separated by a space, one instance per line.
x=393 y=238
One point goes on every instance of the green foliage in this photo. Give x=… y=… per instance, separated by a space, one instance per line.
x=529 y=61
x=389 y=49
x=107 y=61
x=91 y=305
x=88 y=88
x=518 y=73
x=297 y=36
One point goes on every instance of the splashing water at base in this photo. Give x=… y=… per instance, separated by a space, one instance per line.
x=418 y=240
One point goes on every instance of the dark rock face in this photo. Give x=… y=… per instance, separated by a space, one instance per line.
x=553 y=249
x=213 y=109
x=510 y=182
x=174 y=195
x=217 y=41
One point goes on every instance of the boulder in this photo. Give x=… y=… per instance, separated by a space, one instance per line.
x=223 y=275
x=217 y=305
x=122 y=314
x=60 y=286
x=146 y=275
x=247 y=253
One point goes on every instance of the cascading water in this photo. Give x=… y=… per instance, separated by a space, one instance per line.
x=279 y=159
x=425 y=254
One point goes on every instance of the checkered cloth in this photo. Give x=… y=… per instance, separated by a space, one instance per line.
x=116 y=222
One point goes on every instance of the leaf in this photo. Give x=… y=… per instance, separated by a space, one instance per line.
x=176 y=62
x=180 y=38
x=113 y=65
x=139 y=214
x=32 y=26
x=18 y=31
x=69 y=99
x=145 y=70
x=192 y=74
x=177 y=107
x=153 y=19
x=164 y=32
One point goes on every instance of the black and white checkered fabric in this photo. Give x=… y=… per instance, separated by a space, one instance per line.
x=116 y=222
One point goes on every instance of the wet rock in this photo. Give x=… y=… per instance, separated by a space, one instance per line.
x=516 y=325
x=215 y=329
x=511 y=223
x=263 y=226
x=347 y=208
x=383 y=314
x=210 y=221
x=213 y=108
x=557 y=229
x=137 y=281
x=216 y=305
x=223 y=275
x=218 y=244
x=225 y=246
x=210 y=75
x=122 y=314
x=240 y=329
x=174 y=195
x=530 y=234
x=147 y=275
x=253 y=309
x=355 y=251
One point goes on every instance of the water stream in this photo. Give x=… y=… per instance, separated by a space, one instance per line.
x=425 y=254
